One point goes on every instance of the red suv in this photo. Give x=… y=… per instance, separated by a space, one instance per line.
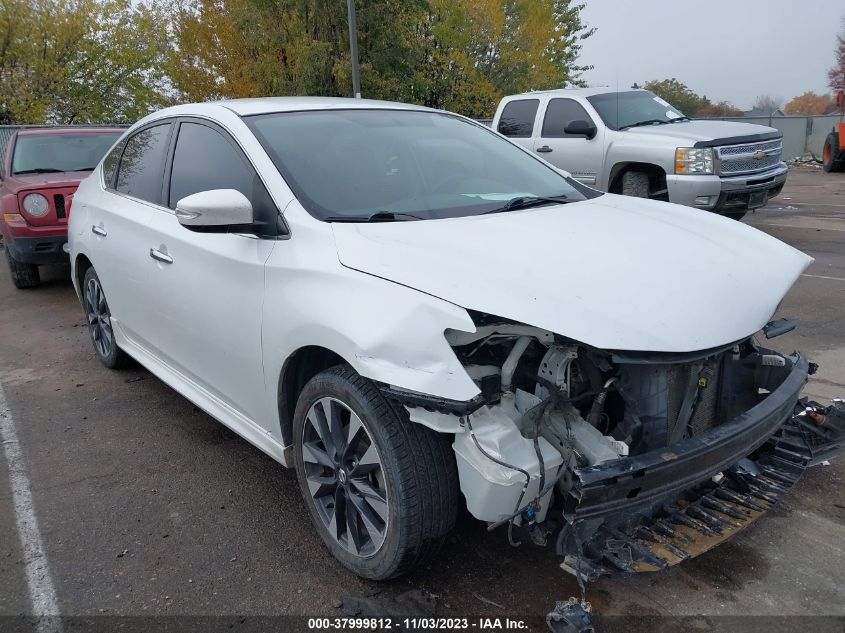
x=41 y=170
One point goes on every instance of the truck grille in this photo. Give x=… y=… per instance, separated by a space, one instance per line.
x=739 y=159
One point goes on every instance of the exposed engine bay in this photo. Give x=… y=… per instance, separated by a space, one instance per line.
x=627 y=461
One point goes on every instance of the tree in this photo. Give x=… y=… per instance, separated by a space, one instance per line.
x=721 y=109
x=456 y=54
x=768 y=104
x=809 y=104
x=836 y=75
x=68 y=61
x=679 y=95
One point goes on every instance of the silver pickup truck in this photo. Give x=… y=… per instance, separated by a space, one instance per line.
x=637 y=144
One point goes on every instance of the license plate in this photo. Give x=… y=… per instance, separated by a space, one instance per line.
x=758 y=199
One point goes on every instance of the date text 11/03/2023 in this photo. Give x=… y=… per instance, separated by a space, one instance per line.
x=417 y=624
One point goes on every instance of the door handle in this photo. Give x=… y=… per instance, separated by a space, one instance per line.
x=544 y=150
x=98 y=230
x=161 y=257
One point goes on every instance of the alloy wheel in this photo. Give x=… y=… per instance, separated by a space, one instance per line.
x=99 y=318
x=345 y=477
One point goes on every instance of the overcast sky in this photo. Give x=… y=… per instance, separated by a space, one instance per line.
x=728 y=50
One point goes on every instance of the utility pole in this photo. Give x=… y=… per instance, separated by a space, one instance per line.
x=353 y=49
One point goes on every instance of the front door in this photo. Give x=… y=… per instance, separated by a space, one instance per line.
x=209 y=286
x=580 y=156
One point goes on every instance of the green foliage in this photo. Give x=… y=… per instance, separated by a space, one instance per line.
x=461 y=55
x=679 y=95
x=74 y=61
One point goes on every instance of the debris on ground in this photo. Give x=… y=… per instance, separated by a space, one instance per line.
x=571 y=616
x=411 y=604
x=478 y=596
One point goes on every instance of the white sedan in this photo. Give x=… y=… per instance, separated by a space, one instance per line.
x=405 y=306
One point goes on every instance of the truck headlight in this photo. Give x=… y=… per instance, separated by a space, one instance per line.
x=694 y=160
x=36 y=205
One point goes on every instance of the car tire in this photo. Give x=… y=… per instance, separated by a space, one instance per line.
x=735 y=215
x=23 y=275
x=400 y=478
x=98 y=317
x=831 y=161
x=636 y=184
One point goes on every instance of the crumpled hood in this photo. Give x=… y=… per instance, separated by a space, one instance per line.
x=694 y=131
x=612 y=272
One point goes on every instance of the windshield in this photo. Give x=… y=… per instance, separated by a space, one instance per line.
x=623 y=109
x=46 y=153
x=349 y=165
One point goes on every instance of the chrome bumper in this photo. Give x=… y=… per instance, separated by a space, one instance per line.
x=714 y=193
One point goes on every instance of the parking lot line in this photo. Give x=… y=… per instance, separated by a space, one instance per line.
x=824 y=277
x=42 y=593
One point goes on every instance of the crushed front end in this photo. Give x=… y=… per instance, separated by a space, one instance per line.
x=626 y=461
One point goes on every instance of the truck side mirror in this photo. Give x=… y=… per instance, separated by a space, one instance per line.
x=579 y=127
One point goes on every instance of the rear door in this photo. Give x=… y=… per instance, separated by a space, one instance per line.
x=119 y=220
x=518 y=120
x=209 y=286
x=581 y=156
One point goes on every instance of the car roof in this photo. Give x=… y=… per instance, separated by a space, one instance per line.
x=582 y=92
x=269 y=105
x=43 y=131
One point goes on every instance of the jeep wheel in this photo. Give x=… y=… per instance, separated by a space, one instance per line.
x=636 y=184
x=381 y=490
x=23 y=275
x=831 y=160
x=99 y=322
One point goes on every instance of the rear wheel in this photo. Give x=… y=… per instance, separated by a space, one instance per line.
x=99 y=322
x=381 y=491
x=636 y=184
x=23 y=275
x=831 y=156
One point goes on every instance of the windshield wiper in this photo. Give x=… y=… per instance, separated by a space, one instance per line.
x=526 y=202
x=41 y=170
x=82 y=169
x=680 y=119
x=378 y=216
x=648 y=122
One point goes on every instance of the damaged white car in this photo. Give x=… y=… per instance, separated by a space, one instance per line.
x=416 y=313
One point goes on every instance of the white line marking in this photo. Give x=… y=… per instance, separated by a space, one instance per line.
x=42 y=594
x=823 y=277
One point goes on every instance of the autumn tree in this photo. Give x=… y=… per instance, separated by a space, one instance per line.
x=457 y=54
x=809 y=104
x=721 y=109
x=836 y=75
x=74 y=61
x=679 y=95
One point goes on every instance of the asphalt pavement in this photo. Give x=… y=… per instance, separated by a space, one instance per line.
x=146 y=506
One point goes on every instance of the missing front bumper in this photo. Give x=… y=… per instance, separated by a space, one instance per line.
x=655 y=510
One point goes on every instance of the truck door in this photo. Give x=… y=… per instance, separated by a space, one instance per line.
x=578 y=154
x=518 y=119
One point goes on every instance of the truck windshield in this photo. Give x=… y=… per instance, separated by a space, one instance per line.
x=620 y=110
x=47 y=153
x=387 y=165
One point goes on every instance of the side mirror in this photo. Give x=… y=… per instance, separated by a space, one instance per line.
x=216 y=207
x=579 y=127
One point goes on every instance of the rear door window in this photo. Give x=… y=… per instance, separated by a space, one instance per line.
x=141 y=167
x=517 y=120
x=559 y=114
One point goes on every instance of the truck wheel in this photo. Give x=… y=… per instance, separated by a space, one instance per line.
x=381 y=490
x=831 y=160
x=636 y=184
x=23 y=275
x=99 y=322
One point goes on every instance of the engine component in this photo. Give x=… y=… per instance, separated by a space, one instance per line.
x=512 y=361
x=555 y=368
x=571 y=616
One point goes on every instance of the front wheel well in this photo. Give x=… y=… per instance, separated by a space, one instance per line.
x=81 y=267
x=299 y=368
x=657 y=178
